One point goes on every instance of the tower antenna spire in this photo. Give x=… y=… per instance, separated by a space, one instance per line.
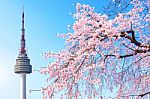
x=22 y=50
x=23 y=8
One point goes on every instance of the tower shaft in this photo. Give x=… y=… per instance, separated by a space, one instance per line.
x=23 y=86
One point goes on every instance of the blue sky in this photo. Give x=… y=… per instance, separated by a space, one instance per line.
x=43 y=20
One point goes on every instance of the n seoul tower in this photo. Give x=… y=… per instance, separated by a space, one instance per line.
x=22 y=66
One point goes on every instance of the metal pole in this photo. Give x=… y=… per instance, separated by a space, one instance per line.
x=23 y=86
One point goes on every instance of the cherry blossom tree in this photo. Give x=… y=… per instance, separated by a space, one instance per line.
x=103 y=54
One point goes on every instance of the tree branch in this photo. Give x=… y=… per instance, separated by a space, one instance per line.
x=128 y=55
x=132 y=39
x=140 y=95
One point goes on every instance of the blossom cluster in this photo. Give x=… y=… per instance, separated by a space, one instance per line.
x=103 y=53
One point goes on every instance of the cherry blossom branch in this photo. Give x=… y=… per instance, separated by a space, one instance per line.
x=132 y=39
x=80 y=65
x=128 y=55
x=136 y=62
x=128 y=47
x=115 y=5
x=140 y=95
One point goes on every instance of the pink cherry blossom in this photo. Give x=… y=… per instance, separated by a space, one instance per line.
x=103 y=54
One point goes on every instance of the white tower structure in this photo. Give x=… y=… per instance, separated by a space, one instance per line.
x=23 y=66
